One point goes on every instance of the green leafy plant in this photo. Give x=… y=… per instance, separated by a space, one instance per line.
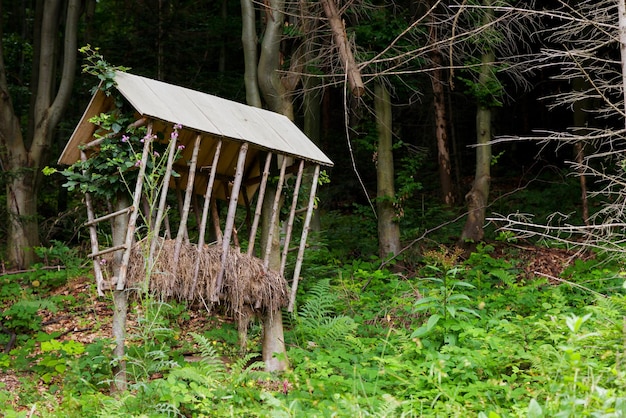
x=445 y=304
x=55 y=357
x=315 y=322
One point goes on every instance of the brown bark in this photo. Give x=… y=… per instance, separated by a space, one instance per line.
x=441 y=124
x=343 y=45
x=388 y=228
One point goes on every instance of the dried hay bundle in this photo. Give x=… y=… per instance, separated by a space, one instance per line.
x=247 y=288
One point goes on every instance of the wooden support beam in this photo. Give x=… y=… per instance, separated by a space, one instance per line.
x=205 y=215
x=230 y=218
x=292 y=214
x=275 y=213
x=161 y=211
x=184 y=215
x=93 y=235
x=259 y=204
x=109 y=216
x=107 y=250
x=132 y=222
x=305 y=232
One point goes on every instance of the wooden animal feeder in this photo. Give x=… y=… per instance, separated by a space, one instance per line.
x=226 y=151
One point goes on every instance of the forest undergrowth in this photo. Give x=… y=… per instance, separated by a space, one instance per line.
x=508 y=330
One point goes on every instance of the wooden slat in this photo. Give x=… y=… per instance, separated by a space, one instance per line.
x=259 y=204
x=109 y=216
x=205 y=215
x=305 y=232
x=132 y=221
x=275 y=213
x=292 y=215
x=230 y=218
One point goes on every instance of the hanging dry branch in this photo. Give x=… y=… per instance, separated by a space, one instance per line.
x=343 y=45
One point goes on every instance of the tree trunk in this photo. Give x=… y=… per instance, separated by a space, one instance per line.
x=249 y=42
x=265 y=78
x=270 y=84
x=312 y=105
x=580 y=124
x=621 y=13
x=274 y=351
x=120 y=297
x=23 y=158
x=388 y=228
x=441 y=123
x=479 y=194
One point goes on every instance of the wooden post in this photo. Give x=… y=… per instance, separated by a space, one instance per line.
x=292 y=214
x=259 y=204
x=270 y=234
x=132 y=222
x=93 y=235
x=205 y=214
x=191 y=176
x=171 y=152
x=305 y=232
x=230 y=217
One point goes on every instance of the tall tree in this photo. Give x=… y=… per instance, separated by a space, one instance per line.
x=439 y=107
x=478 y=196
x=22 y=152
x=264 y=77
x=388 y=227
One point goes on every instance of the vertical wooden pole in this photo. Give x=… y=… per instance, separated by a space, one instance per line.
x=230 y=217
x=305 y=232
x=275 y=210
x=132 y=222
x=205 y=215
x=171 y=152
x=93 y=235
x=259 y=204
x=292 y=214
x=191 y=176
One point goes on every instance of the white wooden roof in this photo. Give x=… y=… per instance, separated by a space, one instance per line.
x=201 y=113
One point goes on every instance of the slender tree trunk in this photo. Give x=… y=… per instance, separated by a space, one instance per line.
x=441 y=123
x=479 y=194
x=312 y=127
x=388 y=228
x=580 y=123
x=120 y=297
x=621 y=12
x=274 y=351
x=221 y=67
x=249 y=42
x=265 y=78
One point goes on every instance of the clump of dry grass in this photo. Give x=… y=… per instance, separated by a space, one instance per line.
x=247 y=289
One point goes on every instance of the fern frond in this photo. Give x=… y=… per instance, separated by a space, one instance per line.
x=192 y=373
x=315 y=321
x=389 y=408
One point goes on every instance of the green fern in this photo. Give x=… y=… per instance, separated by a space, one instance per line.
x=315 y=321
